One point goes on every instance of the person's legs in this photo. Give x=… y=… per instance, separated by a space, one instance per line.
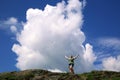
x=71 y=68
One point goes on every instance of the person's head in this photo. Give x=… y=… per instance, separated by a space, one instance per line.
x=71 y=56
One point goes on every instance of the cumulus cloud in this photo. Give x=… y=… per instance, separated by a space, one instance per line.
x=112 y=63
x=13 y=29
x=89 y=56
x=49 y=35
x=56 y=70
x=4 y=24
x=11 y=25
x=11 y=20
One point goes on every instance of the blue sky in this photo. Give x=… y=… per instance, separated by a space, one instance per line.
x=103 y=15
x=101 y=24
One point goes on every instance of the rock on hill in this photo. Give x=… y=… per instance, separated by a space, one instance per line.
x=46 y=75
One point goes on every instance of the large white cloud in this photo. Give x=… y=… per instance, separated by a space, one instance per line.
x=49 y=35
x=112 y=63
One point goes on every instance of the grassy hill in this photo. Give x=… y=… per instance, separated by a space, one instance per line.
x=46 y=75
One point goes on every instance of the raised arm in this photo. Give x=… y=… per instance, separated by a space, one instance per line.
x=66 y=57
x=76 y=56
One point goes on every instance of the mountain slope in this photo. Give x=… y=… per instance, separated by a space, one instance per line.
x=46 y=75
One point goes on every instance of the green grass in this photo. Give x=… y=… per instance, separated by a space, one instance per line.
x=46 y=75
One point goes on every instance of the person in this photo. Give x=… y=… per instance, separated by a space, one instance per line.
x=71 y=62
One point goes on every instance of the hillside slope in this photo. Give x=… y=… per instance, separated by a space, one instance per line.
x=46 y=75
